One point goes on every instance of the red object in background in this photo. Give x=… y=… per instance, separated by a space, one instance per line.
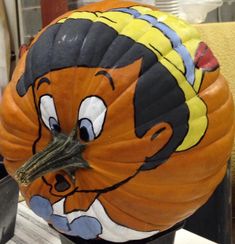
x=52 y=9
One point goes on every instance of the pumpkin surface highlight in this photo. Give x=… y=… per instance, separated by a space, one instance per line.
x=117 y=123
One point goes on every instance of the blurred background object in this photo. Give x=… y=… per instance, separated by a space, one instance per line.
x=8 y=204
x=225 y=13
x=150 y=2
x=5 y=50
x=170 y=6
x=52 y=9
x=195 y=11
x=29 y=18
x=199 y=11
x=27 y=13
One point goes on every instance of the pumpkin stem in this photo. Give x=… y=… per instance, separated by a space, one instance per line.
x=64 y=152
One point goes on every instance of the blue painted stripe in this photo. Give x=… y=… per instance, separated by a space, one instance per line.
x=177 y=45
x=173 y=37
x=130 y=11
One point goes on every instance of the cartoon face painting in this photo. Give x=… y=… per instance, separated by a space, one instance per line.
x=117 y=111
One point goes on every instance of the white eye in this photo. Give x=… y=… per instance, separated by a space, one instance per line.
x=91 y=117
x=48 y=113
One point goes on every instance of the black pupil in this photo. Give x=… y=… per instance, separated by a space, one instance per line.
x=54 y=124
x=84 y=134
x=56 y=127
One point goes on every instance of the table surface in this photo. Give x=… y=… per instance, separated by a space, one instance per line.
x=32 y=229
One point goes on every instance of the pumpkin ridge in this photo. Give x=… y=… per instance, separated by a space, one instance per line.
x=149 y=70
x=24 y=114
x=4 y=125
x=13 y=137
x=185 y=185
x=103 y=145
x=208 y=145
x=143 y=124
x=210 y=87
x=118 y=34
x=162 y=201
x=164 y=55
x=161 y=147
x=149 y=10
x=110 y=45
x=58 y=30
x=194 y=148
x=206 y=195
x=130 y=215
x=227 y=134
x=29 y=103
x=129 y=88
x=19 y=130
x=227 y=131
x=230 y=132
x=76 y=73
x=126 y=162
x=101 y=66
x=78 y=56
x=99 y=164
x=126 y=90
x=51 y=50
x=150 y=13
x=5 y=154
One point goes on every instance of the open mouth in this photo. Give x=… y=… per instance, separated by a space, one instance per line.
x=64 y=152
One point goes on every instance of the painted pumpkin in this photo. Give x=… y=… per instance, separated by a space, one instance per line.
x=117 y=123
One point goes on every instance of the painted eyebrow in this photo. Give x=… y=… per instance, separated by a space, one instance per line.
x=108 y=76
x=43 y=80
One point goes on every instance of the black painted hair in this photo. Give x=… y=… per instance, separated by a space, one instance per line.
x=158 y=97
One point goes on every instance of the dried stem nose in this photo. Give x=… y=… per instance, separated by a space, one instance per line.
x=64 y=152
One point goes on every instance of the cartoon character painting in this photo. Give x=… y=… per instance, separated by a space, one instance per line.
x=117 y=144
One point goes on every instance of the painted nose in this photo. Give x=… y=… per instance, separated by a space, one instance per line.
x=63 y=153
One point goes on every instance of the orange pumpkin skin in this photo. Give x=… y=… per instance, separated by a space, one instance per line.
x=145 y=199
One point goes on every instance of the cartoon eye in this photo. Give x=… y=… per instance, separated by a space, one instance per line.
x=48 y=113
x=91 y=118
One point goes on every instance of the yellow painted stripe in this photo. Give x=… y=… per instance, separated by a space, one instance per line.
x=143 y=32
x=198 y=79
x=119 y=20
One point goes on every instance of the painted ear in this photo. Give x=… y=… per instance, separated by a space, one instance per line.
x=159 y=144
